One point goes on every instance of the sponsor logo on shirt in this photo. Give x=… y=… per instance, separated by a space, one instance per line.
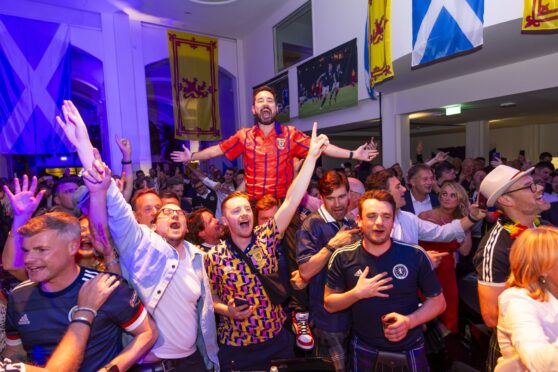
x=400 y=271
x=24 y=320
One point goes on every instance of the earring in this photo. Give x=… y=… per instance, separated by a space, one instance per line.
x=542 y=279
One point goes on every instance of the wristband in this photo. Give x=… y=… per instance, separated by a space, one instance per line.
x=82 y=320
x=329 y=248
x=76 y=308
x=350 y=155
x=473 y=220
x=125 y=162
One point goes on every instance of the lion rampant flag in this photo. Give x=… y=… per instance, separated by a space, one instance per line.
x=194 y=70
x=379 y=40
x=540 y=15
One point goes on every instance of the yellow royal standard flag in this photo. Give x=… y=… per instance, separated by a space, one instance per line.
x=194 y=70
x=379 y=40
x=540 y=15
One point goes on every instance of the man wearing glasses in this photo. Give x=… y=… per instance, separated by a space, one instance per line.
x=519 y=202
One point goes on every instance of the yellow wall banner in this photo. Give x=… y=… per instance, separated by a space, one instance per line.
x=194 y=71
x=540 y=15
x=379 y=15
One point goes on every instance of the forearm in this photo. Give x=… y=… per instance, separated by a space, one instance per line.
x=465 y=247
x=12 y=256
x=208 y=153
x=129 y=185
x=431 y=308
x=315 y=264
x=337 y=152
x=334 y=302
x=218 y=306
x=142 y=342
x=294 y=195
x=69 y=352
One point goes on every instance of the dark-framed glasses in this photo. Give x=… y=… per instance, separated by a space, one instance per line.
x=533 y=186
x=169 y=212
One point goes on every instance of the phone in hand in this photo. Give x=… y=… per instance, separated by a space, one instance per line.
x=240 y=302
x=481 y=201
x=495 y=155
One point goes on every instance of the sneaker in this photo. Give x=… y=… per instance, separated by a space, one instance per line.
x=304 y=339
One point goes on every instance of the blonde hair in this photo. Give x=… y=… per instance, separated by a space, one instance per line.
x=533 y=255
x=462 y=208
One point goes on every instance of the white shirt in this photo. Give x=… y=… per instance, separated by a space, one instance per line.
x=528 y=328
x=176 y=315
x=408 y=228
x=421 y=206
x=220 y=194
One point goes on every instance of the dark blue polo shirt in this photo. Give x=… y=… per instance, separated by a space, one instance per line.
x=411 y=270
x=316 y=231
x=39 y=320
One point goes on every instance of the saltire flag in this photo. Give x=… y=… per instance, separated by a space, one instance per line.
x=540 y=15
x=377 y=48
x=35 y=71
x=194 y=71
x=442 y=28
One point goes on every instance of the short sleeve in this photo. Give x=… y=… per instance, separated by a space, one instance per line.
x=306 y=242
x=125 y=308
x=233 y=146
x=211 y=272
x=12 y=334
x=301 y=143
x=269 y=232
x=335 y=278
x=492 y=259
x=427 y=279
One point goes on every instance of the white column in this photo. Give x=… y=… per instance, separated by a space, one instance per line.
x=125 y=89
x=477 y=139
x=395 y=134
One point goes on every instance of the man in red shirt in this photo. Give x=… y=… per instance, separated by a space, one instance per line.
x=269 y=149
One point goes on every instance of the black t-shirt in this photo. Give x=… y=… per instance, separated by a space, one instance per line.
x=411 y=270
x=492 y=259
x=40 y=319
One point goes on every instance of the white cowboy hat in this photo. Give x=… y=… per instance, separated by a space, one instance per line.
x=497 y=182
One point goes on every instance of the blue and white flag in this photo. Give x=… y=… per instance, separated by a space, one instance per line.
x=35 y=65
x=442 y=28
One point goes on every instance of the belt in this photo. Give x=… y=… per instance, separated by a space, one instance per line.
x=166 y=365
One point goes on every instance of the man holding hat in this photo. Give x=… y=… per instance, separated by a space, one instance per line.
x=519 y=202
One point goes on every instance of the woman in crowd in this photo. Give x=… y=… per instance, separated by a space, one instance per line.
x=454 y=204
x=528 y=319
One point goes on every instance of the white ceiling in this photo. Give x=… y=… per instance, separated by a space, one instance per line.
x=224 y=18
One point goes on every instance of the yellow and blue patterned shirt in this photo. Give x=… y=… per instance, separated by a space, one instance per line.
x=230 y=277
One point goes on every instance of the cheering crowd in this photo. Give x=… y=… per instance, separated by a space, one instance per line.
x=360 y=266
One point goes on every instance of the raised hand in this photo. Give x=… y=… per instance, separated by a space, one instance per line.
x=372 y=287
x=181 y=156
x=317 y=143
x=73 y=125
x=365 y=152
x=125 y=147
x=436 y=257
x=98 y=177
x=24 y=201
x=441 y=156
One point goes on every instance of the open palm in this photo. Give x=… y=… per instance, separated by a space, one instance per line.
x=24 y=201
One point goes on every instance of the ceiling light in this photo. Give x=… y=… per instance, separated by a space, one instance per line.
x=508 y=104
x=453 y=110
x=213 y=2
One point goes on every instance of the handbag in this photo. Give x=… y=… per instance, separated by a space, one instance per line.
x=272 y=283
x=388 y=361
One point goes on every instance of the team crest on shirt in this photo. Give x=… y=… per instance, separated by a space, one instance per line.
x=134 y=300
x=400 y=271
x=281 y=143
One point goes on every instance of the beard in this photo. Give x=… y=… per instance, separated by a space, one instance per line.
x=267 y=120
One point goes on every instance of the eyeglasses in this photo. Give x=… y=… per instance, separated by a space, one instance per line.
x=170 y=212
x=533 y=186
